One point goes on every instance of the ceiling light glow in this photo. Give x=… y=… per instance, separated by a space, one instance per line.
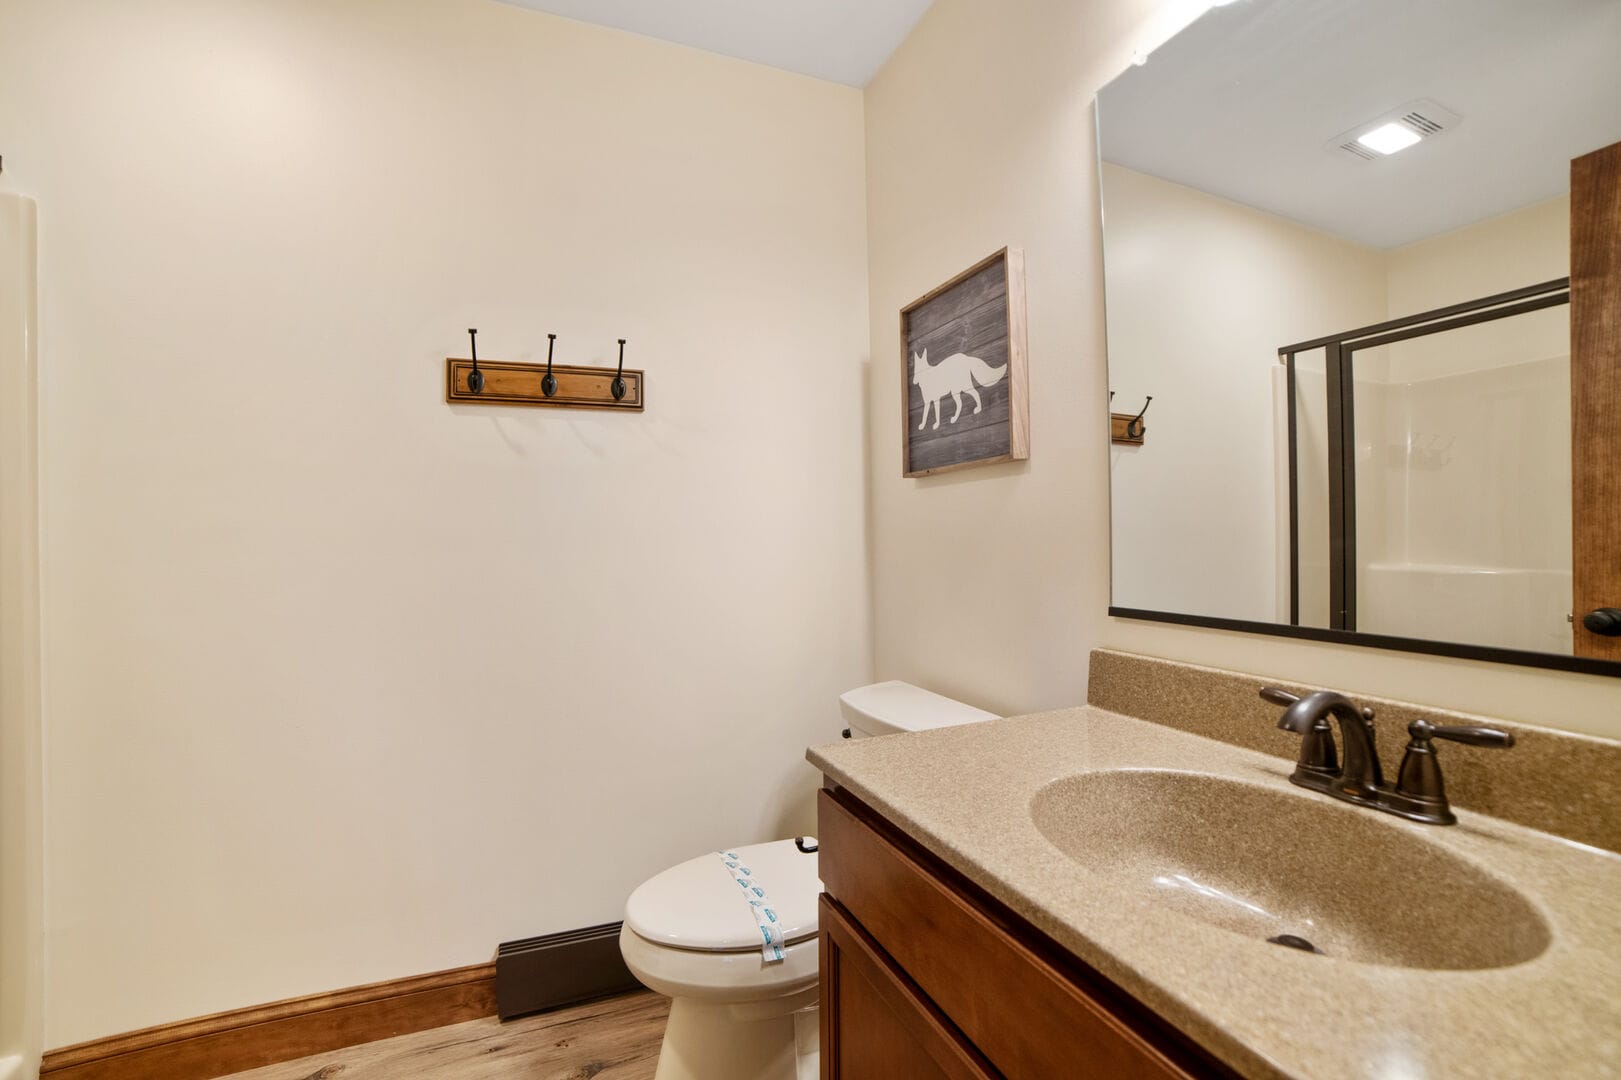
x=1389 y=138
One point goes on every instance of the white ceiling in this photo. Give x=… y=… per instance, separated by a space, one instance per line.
x=845 y=41
x=1241 y=103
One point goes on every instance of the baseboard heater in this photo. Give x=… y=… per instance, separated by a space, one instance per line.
x=559 y=969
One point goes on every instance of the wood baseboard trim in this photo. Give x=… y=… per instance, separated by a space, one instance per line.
x=241 y=1039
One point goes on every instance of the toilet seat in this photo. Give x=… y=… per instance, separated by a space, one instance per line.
x=723 y=978
x=698 y=905
x=690 y=932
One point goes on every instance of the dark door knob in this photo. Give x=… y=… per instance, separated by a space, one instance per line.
x=1604 y=620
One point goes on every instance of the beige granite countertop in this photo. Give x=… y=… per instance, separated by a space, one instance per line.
x=965 y=793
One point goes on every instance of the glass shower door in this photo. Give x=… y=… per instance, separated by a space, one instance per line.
x=1462 y=486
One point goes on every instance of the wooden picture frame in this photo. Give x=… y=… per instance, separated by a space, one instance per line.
x=974 y=327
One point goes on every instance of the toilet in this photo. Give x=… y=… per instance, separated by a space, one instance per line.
x=692 y=934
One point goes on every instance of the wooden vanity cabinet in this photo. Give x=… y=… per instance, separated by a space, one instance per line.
x=924 y=975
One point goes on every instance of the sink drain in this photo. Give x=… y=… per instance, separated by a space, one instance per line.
x=1290 y=941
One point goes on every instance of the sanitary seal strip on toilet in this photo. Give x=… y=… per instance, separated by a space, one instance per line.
x=772 y=937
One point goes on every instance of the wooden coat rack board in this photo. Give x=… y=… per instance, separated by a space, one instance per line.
x=574 y=387
x=1126 y=429
x=1120 y=427
x=507 y=383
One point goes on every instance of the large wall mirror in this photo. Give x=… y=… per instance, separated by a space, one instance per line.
x=1386 y=382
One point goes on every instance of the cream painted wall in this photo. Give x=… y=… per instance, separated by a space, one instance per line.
x=1202 y=292
x=343 y=684
x=21 y=830
x=992 y=584
x=1522 y=247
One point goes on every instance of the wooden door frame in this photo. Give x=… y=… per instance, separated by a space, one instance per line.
x=1595 y=412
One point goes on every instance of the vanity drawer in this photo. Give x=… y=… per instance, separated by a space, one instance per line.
x=1032 y=1014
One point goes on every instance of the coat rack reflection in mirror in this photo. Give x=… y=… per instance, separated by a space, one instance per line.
x=1126 y=429
x=567 y=386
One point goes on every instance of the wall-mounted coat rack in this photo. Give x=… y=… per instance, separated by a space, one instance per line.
x=568 y=386
x=1126 y=429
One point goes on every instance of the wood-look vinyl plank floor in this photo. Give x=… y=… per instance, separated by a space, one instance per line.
x=614 y=1039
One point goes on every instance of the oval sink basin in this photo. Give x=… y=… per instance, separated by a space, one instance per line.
x=1271 y=865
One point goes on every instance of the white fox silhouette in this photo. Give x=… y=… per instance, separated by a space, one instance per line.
x=955 y=375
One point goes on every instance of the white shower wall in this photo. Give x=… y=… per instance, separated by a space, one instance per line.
x=1508 y=607
x=1463 y=500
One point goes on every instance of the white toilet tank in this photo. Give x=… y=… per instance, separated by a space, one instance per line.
x=889 y=707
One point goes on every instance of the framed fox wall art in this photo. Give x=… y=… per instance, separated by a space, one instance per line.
x=963 y=377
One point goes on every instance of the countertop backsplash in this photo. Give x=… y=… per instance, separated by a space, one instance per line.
x=1555 y=781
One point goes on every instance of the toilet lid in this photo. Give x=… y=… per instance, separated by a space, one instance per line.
x=698 y=905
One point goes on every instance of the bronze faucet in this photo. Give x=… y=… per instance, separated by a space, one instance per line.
x=1419 y=793
x=1307 y=716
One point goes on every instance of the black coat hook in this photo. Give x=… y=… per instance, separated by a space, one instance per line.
x=475 y=378
x=548 y=384
x=618 y=385
x=1134 y=426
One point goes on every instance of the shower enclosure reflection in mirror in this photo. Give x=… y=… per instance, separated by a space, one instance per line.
x=1370 y=316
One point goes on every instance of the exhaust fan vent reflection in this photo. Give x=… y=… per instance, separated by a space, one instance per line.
x=1395 y=131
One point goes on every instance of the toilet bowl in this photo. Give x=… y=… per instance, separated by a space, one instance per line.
x=691 y=934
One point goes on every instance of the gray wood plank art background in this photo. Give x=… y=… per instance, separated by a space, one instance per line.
x=971 y=318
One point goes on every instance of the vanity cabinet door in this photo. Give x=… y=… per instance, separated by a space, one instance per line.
x=1027 y=1013
x=875 y=1025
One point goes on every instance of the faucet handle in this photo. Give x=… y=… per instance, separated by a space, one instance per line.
x=1464 y=733
x=1419 y=786
x=1284 y=698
